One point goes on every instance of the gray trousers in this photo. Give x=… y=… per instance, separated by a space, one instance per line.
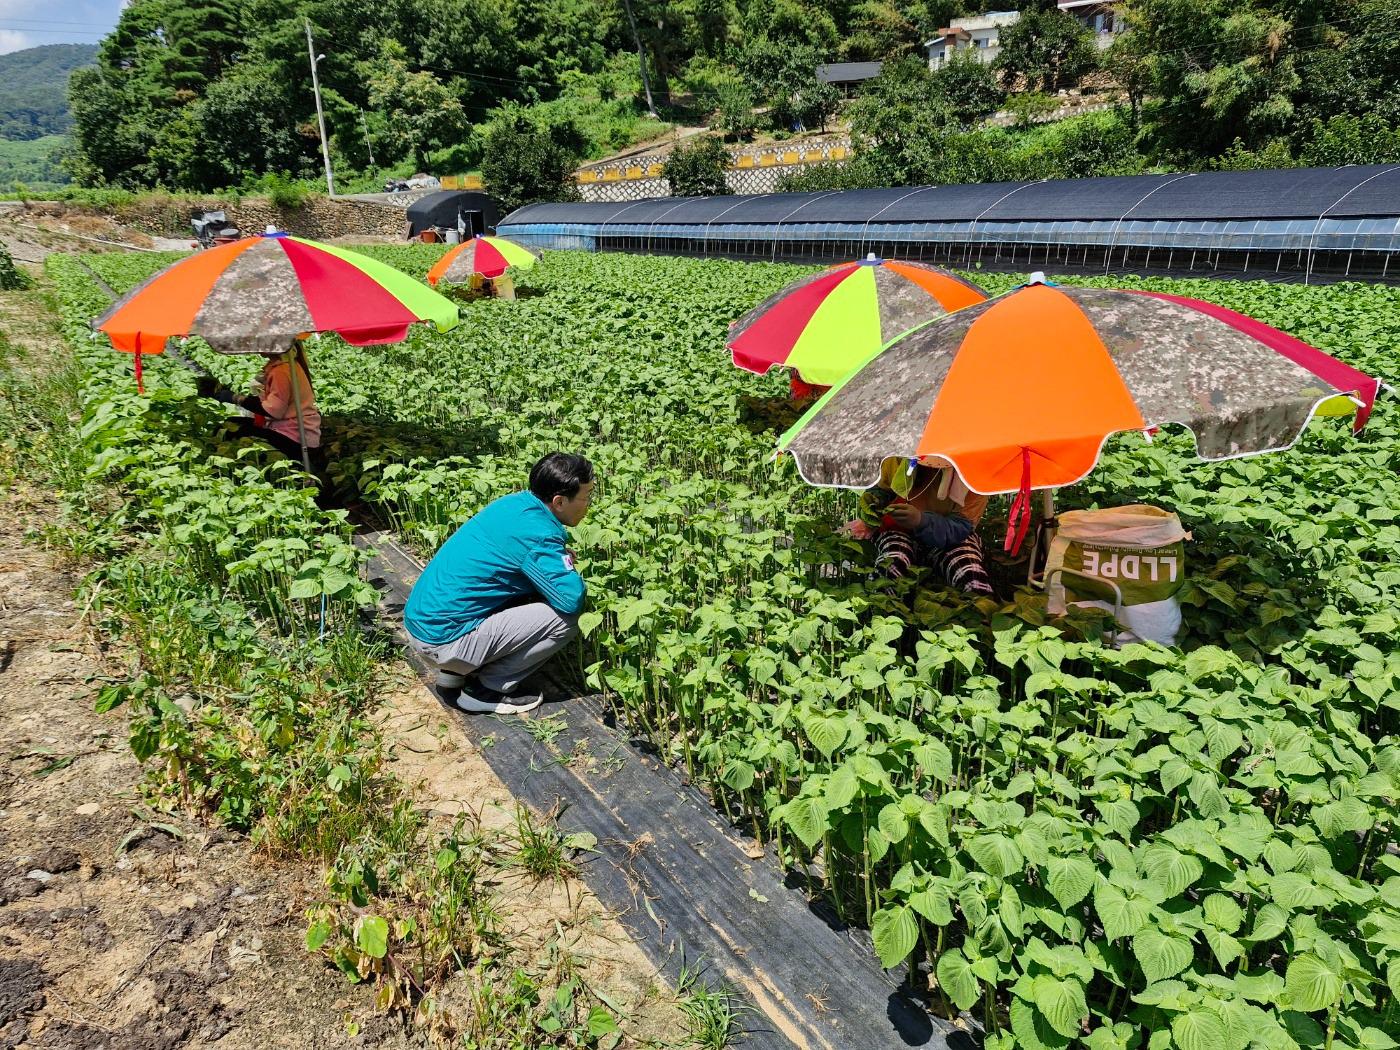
x=506 y=646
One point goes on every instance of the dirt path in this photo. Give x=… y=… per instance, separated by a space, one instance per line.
x=449 y=776
x=119 y=928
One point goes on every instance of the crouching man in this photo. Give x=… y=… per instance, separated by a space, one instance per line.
x=502 y=595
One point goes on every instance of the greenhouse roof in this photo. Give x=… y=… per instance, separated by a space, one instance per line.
x=1296 y=193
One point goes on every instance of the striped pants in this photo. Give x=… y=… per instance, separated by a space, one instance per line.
x=960 y=567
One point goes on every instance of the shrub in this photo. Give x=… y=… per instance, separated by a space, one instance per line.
x=1030 y=108
x=281 y=190
x=1351 y=140
x=697 y=170
x=11 y=276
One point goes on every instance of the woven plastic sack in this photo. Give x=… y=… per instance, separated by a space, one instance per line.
x=1139 y=549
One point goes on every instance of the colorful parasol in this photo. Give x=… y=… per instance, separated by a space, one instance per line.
x=823 y=326
x=487 y=256
x=260 y=293
x=1022 y=391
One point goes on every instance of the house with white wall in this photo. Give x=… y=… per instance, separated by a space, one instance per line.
x=980 y=35
x=1097 y=16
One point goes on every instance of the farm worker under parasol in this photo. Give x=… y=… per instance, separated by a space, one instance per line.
x=922 y=514
x=502 y=595
x=274 y=403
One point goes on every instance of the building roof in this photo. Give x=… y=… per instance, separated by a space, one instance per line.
x=848 y=72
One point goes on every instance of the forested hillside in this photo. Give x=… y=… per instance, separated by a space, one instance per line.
x=201 y=94
x=34 y=89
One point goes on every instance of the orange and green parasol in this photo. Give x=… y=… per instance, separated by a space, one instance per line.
x=260 y=293
x=824 y=325
x=1022 y=391
x=486 y=256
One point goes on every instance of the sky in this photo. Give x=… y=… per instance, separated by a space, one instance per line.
x=29 y=23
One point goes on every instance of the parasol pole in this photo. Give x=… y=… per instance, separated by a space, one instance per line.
x=296 y=402
x=1044 y=536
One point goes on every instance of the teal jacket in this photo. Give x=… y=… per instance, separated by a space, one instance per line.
x=512 y=548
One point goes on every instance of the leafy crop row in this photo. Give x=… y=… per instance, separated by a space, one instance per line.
x=1189 y=848
x=241 y=602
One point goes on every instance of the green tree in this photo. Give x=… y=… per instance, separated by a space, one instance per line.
x=1220 y=71
x=524 y=161
x=734 y=110
x=899 y=121
x=243 y=132
x=968 y=89
x=881 y=30
x=697 y=170
x=416 y=113
x=1047 y=47
x=785 y=77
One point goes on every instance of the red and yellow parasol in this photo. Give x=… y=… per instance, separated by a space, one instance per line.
x=825 y=325
x=486 y=256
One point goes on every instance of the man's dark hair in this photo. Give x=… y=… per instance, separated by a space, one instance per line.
x=559 y=474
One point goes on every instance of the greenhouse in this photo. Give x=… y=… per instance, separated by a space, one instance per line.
x=1291 y=224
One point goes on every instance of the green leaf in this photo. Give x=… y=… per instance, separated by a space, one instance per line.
x=589 y=622
x=1224 y=947
x=317 y=934
x=109 y=697
x=893 y=823
x=1070 y=879
x=1033 y=1029
x=957 y=980
x=826 y=732
x=1293 y=891
x=807 y=817
x=1161 y=955
x=895 y=932
x=1206 y=794
x=1345 y=816
x=841 y=787
x=1010 y=912
x=1269 y=922
x=372 y=936
x=1174 y=872
x=600 y=1023
x=933 y=904
x=738 y=775
x=1062 y=1003
x=935 y=759
x=1310 y=984
x=1222 y=912
x=1121 y=915
x=995 y=854
x=1199 y=1029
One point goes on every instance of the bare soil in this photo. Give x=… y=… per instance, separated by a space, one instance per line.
x=122 y=929
x=31 y=235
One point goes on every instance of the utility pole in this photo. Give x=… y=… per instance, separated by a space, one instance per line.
x=320 y=116
x=368 y=145
x=641 y=58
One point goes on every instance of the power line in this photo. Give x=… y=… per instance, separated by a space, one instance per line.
x=52 y=32
x=57 y=22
